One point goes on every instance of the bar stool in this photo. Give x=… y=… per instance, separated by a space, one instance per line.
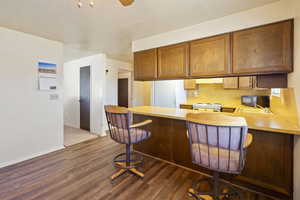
x=121 y=131
x=217 y=142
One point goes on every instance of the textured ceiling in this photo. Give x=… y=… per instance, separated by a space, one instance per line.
x=109 y=27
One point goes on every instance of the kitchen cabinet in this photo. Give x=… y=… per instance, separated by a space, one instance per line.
x=145 y=65
x=173 y=61
x=264 y=49
x=231 y=83
x=272 y=81
x=190 y=84
x=186 y=106
x=210 y=56
x=247 y=82
x=261 y=50
x=256 y=82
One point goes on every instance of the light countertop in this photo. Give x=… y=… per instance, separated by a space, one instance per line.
x=257 y=121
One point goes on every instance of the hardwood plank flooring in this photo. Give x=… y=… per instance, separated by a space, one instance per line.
x=82 y=172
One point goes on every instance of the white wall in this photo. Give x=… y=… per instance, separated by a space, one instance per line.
x=111 y=89
x=267 y=14
x=295 y=82
x=71 y=86
x=104 y=89
x=114 y=67
x=31 y=124
x=122 y=66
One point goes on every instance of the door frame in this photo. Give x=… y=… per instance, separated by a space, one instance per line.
x=91 y=91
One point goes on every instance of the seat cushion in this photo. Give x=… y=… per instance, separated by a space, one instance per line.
x=200 y=156
x=136 y=135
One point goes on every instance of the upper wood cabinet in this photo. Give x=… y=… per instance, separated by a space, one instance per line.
x=173 y=61
x=247 y=82
x=265 y=49
x=145 y=65
x=231 y=83
x=261 y=50
x=190 y=84
x=210 y=56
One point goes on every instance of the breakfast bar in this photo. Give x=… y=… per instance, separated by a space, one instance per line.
x=269 y=165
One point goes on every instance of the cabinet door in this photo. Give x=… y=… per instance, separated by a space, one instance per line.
x=272 y=81
x=231 y=83
x=173 y=61
x=266 y=49
x=190 y=84
x=246 y=82
x=145 y=65
x=210 y=56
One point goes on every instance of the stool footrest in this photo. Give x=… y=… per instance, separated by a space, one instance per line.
x=225 y=192
x=126 y=165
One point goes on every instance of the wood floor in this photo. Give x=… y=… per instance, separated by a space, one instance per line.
x=82 y=171
x=75 y=135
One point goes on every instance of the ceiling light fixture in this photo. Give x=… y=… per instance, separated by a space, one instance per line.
x=80 y=4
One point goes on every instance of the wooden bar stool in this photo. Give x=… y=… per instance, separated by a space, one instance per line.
x=121 y=131
x=217 y=142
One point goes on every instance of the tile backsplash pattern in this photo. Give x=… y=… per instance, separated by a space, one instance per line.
x=215 y=93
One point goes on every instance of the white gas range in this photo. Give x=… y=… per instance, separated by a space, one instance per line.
x=208 y=107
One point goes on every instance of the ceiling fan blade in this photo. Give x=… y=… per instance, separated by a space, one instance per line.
x=126 y=2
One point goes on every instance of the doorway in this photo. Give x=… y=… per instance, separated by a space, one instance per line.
x=123 y=92
x=85 y=95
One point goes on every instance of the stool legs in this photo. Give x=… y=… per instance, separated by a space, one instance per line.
x=127 y=165
x=227 y=193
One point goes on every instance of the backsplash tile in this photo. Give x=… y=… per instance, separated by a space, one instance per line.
x=215 y=93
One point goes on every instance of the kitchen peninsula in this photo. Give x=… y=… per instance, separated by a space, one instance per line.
x=269 y=165
x=250 y=62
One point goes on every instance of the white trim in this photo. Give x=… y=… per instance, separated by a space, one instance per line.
x=5 y=164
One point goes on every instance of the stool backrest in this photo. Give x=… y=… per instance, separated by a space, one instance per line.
x=118 y=120
x=216 y=141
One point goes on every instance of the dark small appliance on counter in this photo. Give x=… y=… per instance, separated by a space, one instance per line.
x=256 y=101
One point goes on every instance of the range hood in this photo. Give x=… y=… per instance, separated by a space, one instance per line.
x=209 y=81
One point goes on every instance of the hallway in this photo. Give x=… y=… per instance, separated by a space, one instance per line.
x=74 y=136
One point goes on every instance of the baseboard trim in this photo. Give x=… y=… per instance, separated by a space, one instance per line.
x=12 y=162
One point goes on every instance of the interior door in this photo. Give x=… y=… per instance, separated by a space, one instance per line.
x=85 y=95
x=123 y=92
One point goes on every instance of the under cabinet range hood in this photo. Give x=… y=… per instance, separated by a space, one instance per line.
x=209 y=81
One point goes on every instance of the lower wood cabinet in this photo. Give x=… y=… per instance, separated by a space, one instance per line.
x=173 y=61
x=269 y=161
